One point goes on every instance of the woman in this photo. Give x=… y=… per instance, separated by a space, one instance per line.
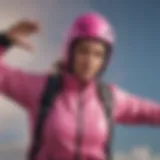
x=88 y=50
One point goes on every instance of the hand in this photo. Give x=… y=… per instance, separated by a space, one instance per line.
x=19 y=33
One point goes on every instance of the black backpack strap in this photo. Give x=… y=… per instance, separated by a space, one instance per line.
x=106 y=98
x=52 y=88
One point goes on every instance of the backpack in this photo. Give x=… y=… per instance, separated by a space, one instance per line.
x=53 y=87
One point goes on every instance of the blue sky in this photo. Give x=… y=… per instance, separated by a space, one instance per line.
x=135 y=64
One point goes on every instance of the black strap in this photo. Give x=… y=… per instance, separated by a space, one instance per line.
x=51 y=90
x=106 y=98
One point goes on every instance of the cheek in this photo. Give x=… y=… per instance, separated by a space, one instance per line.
x=97 y=63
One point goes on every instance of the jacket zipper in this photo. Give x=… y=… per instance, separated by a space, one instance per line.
x=79 y=130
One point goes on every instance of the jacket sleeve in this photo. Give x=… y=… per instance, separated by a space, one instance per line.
x=19 y=85
x=130 y=109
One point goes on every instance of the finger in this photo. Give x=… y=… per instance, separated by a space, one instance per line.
x=25 y=45
x=30 y=26
x=26 y=28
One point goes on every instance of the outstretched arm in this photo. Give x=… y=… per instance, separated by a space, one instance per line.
x=21 y=86
x=130 y=109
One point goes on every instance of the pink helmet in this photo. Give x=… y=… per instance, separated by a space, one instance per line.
x=91 y=25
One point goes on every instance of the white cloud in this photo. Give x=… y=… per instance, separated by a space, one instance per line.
x=18 y=152
x=137 y=153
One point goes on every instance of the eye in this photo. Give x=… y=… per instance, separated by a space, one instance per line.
x=99 y=54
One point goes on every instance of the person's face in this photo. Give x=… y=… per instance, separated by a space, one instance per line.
x=89 y=57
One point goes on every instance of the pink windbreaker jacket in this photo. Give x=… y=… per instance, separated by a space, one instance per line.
x=60 y=130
